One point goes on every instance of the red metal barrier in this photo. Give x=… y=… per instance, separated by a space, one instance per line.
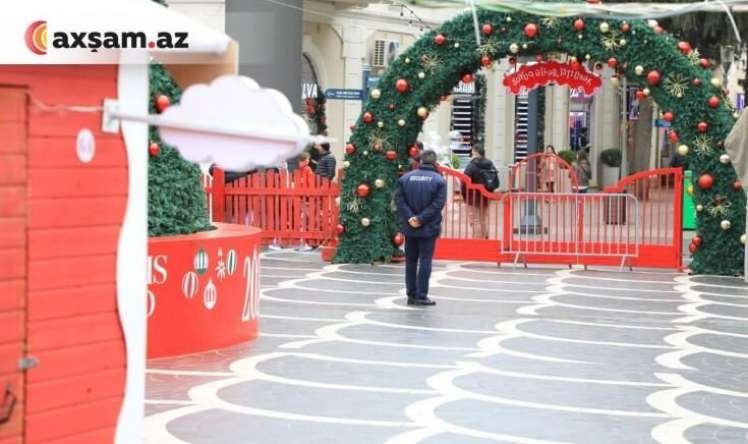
x=289 y=207
x=660 y=196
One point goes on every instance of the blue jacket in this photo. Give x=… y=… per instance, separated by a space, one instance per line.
x=421 y=193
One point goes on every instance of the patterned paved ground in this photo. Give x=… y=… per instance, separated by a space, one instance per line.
x=509 y=355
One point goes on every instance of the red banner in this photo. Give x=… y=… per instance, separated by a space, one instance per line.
x=531 y=76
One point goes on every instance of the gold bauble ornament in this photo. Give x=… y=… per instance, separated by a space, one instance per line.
x=725 y=224
x=423 y=112
x=421 y=75
x=407 y=60
x=716 y=82
x=346 y=164
x=524 y=46
x=514 y=48
x=401 y=122
x=365 y=221
x=622 y=42
x=587 y=57
x=742 y=239
x=646 y=92
x=683 y=150
x=689 y=190
x=379 y=183
x=457 y=44
x=639 y=70
x=699 y=208
x=380 y=124
x=376 y=93
x=725 y=159
x=652 y=23
x=604 y=27
x=735 y=115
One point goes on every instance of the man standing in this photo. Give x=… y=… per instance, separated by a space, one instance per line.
x=480 y=171
x=326 y=163
x=420 y=197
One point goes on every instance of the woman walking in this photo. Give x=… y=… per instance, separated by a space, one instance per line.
x=583 y=170
x=548 y=169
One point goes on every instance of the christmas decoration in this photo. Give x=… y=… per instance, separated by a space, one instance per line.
x=697 y=240
x=440 y=39
x=625 y=27
x=398 y=239
x=713 y=101
x=579 y=25
x=375 y=93
x=380 y=124
x=421 y=75
x=716 y=82
x=363 y=190
x=604 y=27
x=705 y=63
x=706 y=181
x=368 y=117
x=668 y=116
x=550 y=22
x=720 y=207
x=683 y=150
x=699 y=208
x=340 y=229
x=725 y=159
x=350 y=148
x=365 y=221
x=702 y=146
x=725 y=224
x=170 y=176
x=346 y=164
x=676 y=85
x=154 y=149
x=694 y=57
x=423 y=112
x=702 y=127
x=402 y=86
x=391 y=155
x=407 y=60
x=379 y=183
x=646 y=92
x=737 y=185
x=514 y=48
x=696 y=82
x=430 y=63
x=639 y=70
x=162 y=102
x=401 y=122
x=487 y=29
x=742 y=239
x=653 y=77
x=684 y=47
x=612 y=62
x=531 y=30
x=457 y=45
x=612 y=40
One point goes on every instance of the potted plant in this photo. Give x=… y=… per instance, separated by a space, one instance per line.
x=568 y=156
x=611 y=160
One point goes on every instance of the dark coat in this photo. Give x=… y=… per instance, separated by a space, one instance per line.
x=473 y=171
x=326 y=166
x=421 y=193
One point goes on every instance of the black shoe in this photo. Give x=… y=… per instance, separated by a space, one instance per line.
x=421 y=301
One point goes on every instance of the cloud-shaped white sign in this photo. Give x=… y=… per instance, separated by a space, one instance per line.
x=234 y=124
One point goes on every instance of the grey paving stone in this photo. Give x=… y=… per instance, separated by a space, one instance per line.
x=549 y=327
x=593 y=302
x=713 y=434
x=716 y=405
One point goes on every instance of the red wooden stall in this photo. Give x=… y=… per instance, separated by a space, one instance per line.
x=59 y=226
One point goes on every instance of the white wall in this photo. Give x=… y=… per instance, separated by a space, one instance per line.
x=208 y=12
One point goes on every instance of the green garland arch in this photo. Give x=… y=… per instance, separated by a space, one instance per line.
x=432 y=70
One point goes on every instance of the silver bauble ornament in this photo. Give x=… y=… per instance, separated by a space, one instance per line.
x=646 y=92
x=421 y=75
x=379 y=183
x=604 y=27
x=380 y=124
x=716 y=82
x=376 y=93
x=401 y=122
x=742 y=239
x=346 y=164
x=639 y=70
x=423 y=112
x=407 y=60
x=365 y=221
x=514 y=48
x=683 y=150
x=725 y=159
x=725 y=224
x=699 y=208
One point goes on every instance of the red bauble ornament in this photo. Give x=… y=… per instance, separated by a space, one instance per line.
x=531 y=30
x=668 y=116
x=737 y=185
x=640 y=95
x=413 y=151
x=612 y=62
x=713 y=101
x=402 y=86
x=705 y=63
x=696 y=82
x=697 y=240
x=368 y=117
x=673 y=136
x=440 y=39
x=486 y=61
x=654 y=77
x=692 y=248
x=467 y=78
x=154 y=150
x=625 y=27
x=398 y=239
x=340 y=229
x=702 y=127
x=706 y=182
x=391 y=106
x=162 y=102
x=350 y=148
x=391 y=155
x=579 y=24
x=659 y=29
x=684 y=47
x=363 y=190
x=487 y=29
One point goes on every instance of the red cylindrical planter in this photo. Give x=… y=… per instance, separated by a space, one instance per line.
x=203 y=290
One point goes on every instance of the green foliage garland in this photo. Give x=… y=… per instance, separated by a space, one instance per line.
x=443 y=66
x=176 y=201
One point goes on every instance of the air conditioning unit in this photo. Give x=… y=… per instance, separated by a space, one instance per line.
x=385 y=52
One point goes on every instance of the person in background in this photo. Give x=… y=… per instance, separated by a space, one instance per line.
x=306 y=173
x=679 y=161
x=326 y=164
x=480 y=171
x=548 y=170
x=420 y=196
x=583 y=170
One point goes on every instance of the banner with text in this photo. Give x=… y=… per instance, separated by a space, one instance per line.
x=531 y=76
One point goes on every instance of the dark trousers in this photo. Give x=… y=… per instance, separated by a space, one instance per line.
x=418 y=250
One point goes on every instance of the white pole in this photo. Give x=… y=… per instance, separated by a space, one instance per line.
x=475 y=22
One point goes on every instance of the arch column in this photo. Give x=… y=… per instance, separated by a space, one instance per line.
x=605 y=123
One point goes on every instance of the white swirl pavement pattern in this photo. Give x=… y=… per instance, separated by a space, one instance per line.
x=508 y=355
